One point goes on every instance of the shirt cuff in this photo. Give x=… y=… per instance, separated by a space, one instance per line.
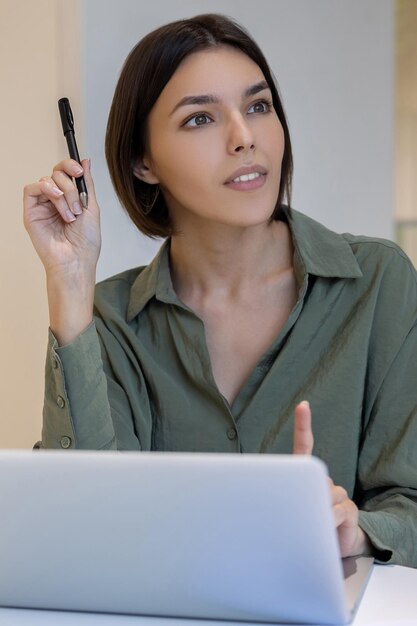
x=378 y=529
x=76 y=409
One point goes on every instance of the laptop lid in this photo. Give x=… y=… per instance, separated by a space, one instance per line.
x=239 y=537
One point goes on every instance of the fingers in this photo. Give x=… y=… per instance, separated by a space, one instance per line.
x=344 y=509
x=74 y=169
x=88 y=178
x=346 y=513
x=70 y=167
x=58 y=191
x=47 y=196
x=63 y=175
x=33 y=193
x=303 y=434
x=346 y=517
x=339 y=494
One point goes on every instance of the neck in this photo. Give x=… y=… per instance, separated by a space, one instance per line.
x=225 y=261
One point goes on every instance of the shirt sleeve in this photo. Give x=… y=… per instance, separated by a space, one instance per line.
x=84 y=407
x=388 y=467
x=387 y=472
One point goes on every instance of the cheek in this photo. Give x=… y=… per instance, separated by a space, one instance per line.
x=281 y=140
x=185 y=165
x=276 y=141
x=165 y=164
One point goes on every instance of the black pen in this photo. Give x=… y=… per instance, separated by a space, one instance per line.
x=68 y=127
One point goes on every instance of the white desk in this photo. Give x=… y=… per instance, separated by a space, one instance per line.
x=390 y=600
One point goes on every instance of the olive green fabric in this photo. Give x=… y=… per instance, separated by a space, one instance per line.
x=139 y=378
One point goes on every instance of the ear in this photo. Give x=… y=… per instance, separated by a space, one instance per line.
x=144 y=172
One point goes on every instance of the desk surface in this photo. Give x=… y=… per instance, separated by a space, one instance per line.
x=390 y=600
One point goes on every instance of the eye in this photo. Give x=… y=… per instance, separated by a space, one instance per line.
x=200 y=119
x=263 y=106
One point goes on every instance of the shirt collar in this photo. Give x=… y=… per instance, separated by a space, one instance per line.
x=154 y=281
x=317 y=250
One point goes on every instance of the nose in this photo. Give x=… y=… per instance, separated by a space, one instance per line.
x=240 y=138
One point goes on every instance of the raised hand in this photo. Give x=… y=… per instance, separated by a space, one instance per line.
x=65 y=236
x=352 y=539
x=67 y=240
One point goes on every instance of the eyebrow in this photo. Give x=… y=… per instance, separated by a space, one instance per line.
x=212 y=99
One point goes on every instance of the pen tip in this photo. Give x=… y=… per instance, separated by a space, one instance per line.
x=84 y=199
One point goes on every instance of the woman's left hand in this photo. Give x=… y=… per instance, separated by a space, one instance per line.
x=352 y=539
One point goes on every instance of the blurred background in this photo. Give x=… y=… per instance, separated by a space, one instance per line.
x=347 y=74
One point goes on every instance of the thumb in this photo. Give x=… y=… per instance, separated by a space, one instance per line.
x=303 y=434
x=86 y=165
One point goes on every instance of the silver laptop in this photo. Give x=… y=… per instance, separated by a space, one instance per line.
x=222 y=536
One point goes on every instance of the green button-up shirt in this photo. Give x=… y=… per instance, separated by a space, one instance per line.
x=140 y=378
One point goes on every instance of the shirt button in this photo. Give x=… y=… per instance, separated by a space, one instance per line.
x=60 y=402
x=65 y=442
x=231 y=433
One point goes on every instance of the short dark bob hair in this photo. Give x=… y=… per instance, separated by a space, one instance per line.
x=146 y=71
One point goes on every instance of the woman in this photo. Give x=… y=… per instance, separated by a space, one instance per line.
x=248 y=310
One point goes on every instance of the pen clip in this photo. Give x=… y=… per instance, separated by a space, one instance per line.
x=65 y=112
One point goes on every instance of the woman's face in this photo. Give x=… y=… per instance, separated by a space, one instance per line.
x=215 y=143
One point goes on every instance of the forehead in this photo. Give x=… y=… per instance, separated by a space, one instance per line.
x=219 y=71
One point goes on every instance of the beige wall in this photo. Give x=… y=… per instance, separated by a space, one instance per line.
x=406 y=126
x=31 y=78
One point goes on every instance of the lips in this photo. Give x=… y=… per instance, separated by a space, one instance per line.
x=243 y=171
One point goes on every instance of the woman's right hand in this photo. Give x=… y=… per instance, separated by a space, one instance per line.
x=352 y=539
x=66 y=237
x=67 y=240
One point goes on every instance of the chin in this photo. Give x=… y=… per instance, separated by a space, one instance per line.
x=248 y=221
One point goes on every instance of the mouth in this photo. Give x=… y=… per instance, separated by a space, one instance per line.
x=247 y=182
x=247 y=178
